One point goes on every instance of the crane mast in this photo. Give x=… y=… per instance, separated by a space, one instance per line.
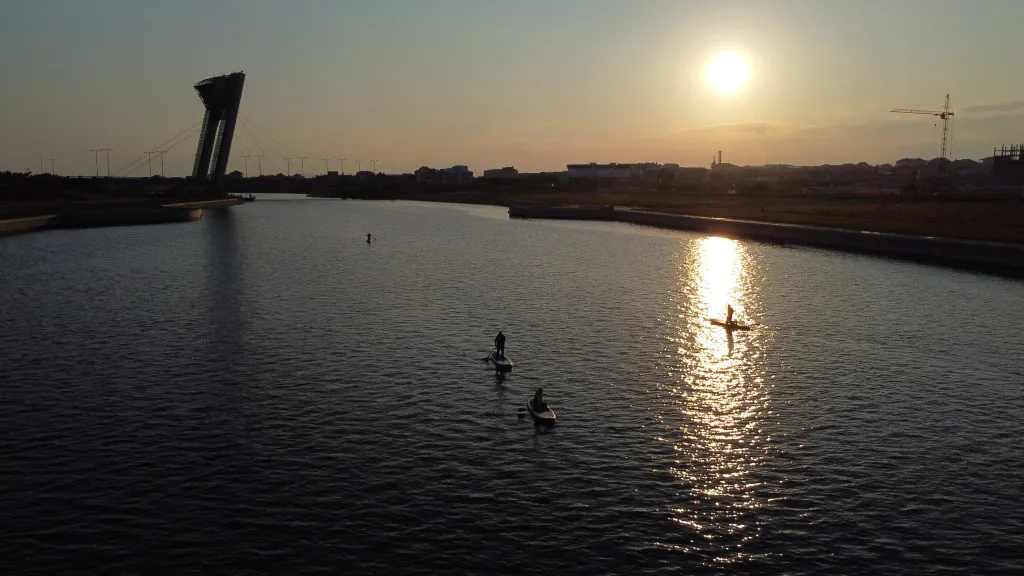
x=945 y=114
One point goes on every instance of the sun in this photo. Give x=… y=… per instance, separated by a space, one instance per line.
x=727 y=73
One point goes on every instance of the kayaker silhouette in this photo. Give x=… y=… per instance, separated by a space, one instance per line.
x=499 y=344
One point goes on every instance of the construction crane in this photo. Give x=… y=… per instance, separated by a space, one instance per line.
x=946 y=113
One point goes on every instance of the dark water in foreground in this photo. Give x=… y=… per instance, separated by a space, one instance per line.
x=263 y=392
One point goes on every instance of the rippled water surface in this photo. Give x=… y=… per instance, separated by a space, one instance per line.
x=265 y=392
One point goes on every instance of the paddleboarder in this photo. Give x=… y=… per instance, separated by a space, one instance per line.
x=499 y=343
x=538 y=400
x=728 y=315
x=367 y=238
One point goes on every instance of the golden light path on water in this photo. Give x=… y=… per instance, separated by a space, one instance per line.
x=718 y=400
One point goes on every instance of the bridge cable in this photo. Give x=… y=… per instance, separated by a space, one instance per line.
x=167 y=146
x=134 y=164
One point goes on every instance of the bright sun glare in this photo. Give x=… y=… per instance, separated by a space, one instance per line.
x=727 y=73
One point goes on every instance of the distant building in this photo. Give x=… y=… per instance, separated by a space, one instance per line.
x=331 y=177
x=653 y=172
x=454 y=175
x=507 y=172
x=597 y=171
x=1008 y=165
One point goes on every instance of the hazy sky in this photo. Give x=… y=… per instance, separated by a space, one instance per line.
x=530 y=83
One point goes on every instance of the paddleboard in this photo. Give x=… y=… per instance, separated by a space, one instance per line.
x=733 y=326
x=542 y=417
x=501 y=364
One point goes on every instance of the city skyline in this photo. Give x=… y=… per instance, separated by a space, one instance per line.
x=531 y=84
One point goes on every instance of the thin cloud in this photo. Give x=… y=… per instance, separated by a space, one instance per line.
x=759 y=128
x=1004 y=107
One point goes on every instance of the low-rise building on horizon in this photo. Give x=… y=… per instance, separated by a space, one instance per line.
x=597 y=171
x=507 y=172
x=459 y=174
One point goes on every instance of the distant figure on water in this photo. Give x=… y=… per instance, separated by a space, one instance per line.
x=367 y=238
x=538 y=400
x=728 y=315
x=499 y=343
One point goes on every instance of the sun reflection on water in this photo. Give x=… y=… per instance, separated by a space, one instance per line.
x=719 y=401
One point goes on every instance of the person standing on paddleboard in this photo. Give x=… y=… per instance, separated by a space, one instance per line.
x=499 y=343
x=728 y=314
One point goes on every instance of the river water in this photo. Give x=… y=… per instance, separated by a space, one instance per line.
x=264 y=392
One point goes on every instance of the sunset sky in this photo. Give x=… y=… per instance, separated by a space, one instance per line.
x=534 y=84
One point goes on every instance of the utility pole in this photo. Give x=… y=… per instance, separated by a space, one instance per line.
x=149 y=158
x=374 y=166
x=288 y=170
x=96 y=152
x=108 y=151
x=40 y=163
x=342 y=166
x=161 y=153
x=327 y=164
x=359 y=166
x=259 y=163
x=303 y=169
x=245 y=158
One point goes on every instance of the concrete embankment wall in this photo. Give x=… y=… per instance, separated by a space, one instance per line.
x=178 y=212
x=75 y=219
x=563 y=212
x=22 y=225
x=988 y=256
x=207 y=203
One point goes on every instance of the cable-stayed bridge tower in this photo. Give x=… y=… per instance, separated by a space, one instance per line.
x=221 y=96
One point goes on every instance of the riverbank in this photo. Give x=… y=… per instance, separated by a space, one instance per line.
x=996 y=257
x=87 y=215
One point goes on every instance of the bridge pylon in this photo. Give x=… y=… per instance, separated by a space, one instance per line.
x=221 y=95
